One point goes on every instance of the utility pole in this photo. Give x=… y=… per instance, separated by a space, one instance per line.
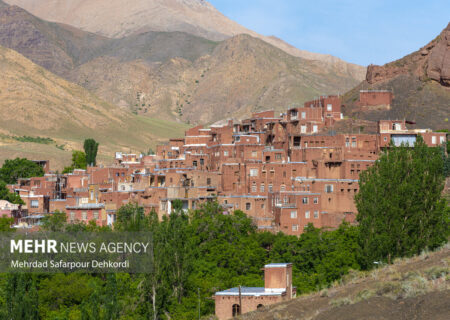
x=198 y=291
x=240 y=301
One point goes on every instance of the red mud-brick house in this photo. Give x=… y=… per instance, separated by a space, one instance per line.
x=370 y=98
x=240 y=300
x=283 y=170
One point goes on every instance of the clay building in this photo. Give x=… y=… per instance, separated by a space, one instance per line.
x=283 y=170
x=368 y=98
x=277 y=287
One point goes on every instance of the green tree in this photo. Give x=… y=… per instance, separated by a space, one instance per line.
x=54 y=221
x=78 y=161
x=19 y=168
x=401 y=210
x=131 y=217
x=21 y=297
x=90 y=149
x=5 y=224
x=445 y=151
x=9 y=196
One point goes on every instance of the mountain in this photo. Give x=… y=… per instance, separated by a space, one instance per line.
x=36 y=103
x=172 y=75
x=112 y=18
x=420 y=83
x=242 y=75
x=60 y=48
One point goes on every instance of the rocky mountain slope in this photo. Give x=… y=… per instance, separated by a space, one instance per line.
x=416 y=288
x=242 y=74
x=198 y=17
x=34 y=102
x=173 y=75
x=420 y=83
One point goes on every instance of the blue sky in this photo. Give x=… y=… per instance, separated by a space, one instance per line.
x=362 y=32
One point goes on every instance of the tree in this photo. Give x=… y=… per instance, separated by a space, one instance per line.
x=5 y=224
x=9 y=196
x=401 y=210
x=19 y=168
x=131 y=217
x=90 y=148
x=78 y=161
x=21 y=297
x=445 y=151
x=54 y=221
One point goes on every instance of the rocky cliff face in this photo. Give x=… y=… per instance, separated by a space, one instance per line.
x=432 y=61
x=420 y=82
x=438 y=67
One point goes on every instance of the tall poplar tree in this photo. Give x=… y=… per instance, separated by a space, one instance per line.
x=401 y=210
x=91 y=148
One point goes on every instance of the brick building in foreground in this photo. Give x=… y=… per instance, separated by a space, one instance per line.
x=283 y=170
x=277 y=288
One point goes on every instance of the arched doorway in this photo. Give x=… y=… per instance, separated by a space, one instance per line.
x=236 y=310
x=259 y=306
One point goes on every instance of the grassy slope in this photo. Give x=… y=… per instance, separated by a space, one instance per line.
x=416 y=288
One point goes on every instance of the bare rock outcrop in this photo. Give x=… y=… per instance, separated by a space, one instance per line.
x=430 y=62
x=439 y=60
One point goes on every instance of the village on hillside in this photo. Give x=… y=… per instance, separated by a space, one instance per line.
x=284 y=171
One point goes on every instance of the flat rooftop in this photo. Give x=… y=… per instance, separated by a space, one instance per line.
x=251 y=291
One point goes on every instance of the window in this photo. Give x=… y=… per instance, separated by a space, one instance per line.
x=307 y=215
x=353 y=142
x=254 y=186
x=225 y=153
x=208 y=181
x=261 y=188
x=316 y=214
x=305 y=200
x=283 y=187
x=238 y=138
x=96 y=215
x=194 y=163
x=254 y=154
x=315 y=128
x=329 y=188
x=295 y=227
x=202 y=162
x=34 y=203
x=248 y=206
x=72 y=216
x=84 y=216
x=303 y=115
x=442 y=139
x=433 y=139
x=253 y=172
x=303 y=129
x=286 y=200
x=385 y=138
x=316 y=200
x=278 y=156
x=329 y=107
x=92 y=195
x=347 y=142
x=270 y=188
x=293 y=214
